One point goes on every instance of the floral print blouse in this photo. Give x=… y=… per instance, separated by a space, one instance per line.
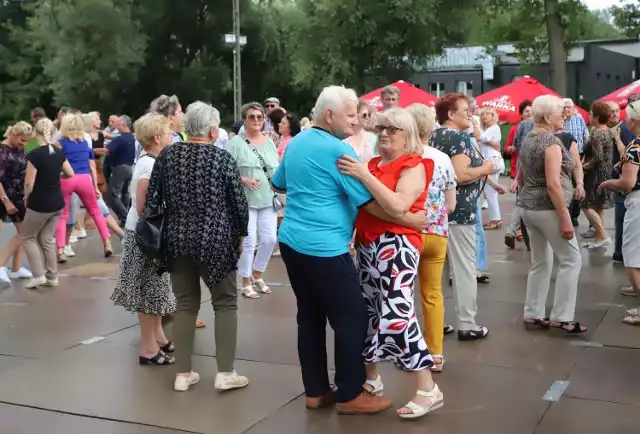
x=13 y=167
x=444 y=178
x=632 y=156
x=455 y=142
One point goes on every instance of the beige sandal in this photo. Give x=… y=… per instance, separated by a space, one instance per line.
x=632 y=320
x=438 y=363
x=262 y=287
x=248 y=292
x=437 y=401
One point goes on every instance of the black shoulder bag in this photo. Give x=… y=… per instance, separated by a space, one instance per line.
x=275 y=201
x=150 y=228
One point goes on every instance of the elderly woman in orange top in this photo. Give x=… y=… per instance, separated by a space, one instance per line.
x=388 y=256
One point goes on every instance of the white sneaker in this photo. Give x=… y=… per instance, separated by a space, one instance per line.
x=230 y=380
x=183 y=382
x=35 y=282
x=68 y=251
x=73 y=239
x=4 y=276
x=22 y=273
x=79 y=234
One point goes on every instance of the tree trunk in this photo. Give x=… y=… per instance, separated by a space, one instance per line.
x=557 y=54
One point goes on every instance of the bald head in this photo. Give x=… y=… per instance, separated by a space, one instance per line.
x=614 y=118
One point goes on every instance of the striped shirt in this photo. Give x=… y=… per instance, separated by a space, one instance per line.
x=578 y=128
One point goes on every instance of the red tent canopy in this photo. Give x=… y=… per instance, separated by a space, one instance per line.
x=505 y=99
x=620 y=96
x=409 y=94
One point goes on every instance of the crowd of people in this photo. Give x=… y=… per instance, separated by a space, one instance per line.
x=361 y=205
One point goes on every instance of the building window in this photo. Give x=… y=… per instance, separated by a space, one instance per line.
x=465 y=87
x=437 y=89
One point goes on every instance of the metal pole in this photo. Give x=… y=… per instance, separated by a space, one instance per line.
x=237 y=69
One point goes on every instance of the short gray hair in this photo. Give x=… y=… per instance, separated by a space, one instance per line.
x=390 y=90
x=333 y=98
x=165 y=105
x=126 y=120
x=544 y=106
x=244 y=110
x=567 y=102
x=633 y=110
x=199 y=118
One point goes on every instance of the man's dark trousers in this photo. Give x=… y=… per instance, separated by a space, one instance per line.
x=118 y=197
x=328 y=288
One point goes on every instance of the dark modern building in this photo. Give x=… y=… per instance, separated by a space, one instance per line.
x=594 y=69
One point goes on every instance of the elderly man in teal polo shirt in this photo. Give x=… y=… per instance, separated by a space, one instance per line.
x=322 y=205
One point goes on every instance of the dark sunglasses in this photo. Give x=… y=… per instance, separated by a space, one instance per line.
x=366 y=115
x=255 y=117
x=271 y=106
x=390 y=129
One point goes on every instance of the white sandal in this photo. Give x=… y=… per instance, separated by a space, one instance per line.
x=262 y=287
x=248 y=292
x=377 y=388
x=437 y=401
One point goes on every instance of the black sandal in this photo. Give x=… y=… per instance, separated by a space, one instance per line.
x=155 y=360
x=571 y=327
x=542 y=323
x=169 y=347
x=482 y=279
x=448 y=329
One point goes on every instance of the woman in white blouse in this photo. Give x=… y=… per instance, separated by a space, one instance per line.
x=362 y=141
x=490 y=149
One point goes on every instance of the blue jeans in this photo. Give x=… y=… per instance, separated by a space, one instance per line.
x=481 y=240
x=620 y=211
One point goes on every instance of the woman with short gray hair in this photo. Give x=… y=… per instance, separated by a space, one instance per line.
x=206 y=217
x=545 y=178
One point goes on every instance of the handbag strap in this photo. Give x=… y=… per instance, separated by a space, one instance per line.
x=261 y=160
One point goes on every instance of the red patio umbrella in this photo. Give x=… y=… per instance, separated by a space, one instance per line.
x=505 y=99
x=409 y=94
x=620 y=96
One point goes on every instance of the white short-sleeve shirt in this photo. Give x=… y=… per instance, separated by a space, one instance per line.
x=142 y=170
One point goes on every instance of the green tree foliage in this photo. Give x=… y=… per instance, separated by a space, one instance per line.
x=342 y=41
x=627 y=18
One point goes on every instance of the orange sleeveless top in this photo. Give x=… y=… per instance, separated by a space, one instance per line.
x=369 y=227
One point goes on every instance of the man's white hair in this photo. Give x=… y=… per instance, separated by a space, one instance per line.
x=633 y=110
x=567 y=102
x=546 y=105
x=333 y=98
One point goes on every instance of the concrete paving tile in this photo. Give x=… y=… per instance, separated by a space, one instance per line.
x=25 y=420
x=104 y=380
x=606 y=374
x=589 y=417
x=613 y=332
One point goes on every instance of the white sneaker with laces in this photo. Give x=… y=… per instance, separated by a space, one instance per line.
x=22 y=273
x=35 y=282
x=4 y=276
x=73 y=239
x=183 y=382
x=79 y=234
x=230 y=380
x=68 y=251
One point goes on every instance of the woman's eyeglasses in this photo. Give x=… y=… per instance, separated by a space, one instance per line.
x=391 y=130
x=365 y=115
x=271 y=106
x=255 y=117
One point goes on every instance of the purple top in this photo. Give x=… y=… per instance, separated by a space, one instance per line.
x=78 y=154
x=13 y=166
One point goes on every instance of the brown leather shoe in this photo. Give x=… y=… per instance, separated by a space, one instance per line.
x=320 y=402
x=365 y=403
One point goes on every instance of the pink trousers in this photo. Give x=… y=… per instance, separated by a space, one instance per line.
x=82 y=185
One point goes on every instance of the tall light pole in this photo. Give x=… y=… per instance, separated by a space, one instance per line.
x=237 y=67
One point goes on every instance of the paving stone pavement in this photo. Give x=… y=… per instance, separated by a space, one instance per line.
x=50 y=383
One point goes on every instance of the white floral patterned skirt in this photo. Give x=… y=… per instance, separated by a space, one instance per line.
x=388 y=268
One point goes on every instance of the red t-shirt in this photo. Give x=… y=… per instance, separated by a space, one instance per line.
x=369 y=227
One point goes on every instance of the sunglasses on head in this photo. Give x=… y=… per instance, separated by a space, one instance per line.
x=391 y=130
x=255 y=117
